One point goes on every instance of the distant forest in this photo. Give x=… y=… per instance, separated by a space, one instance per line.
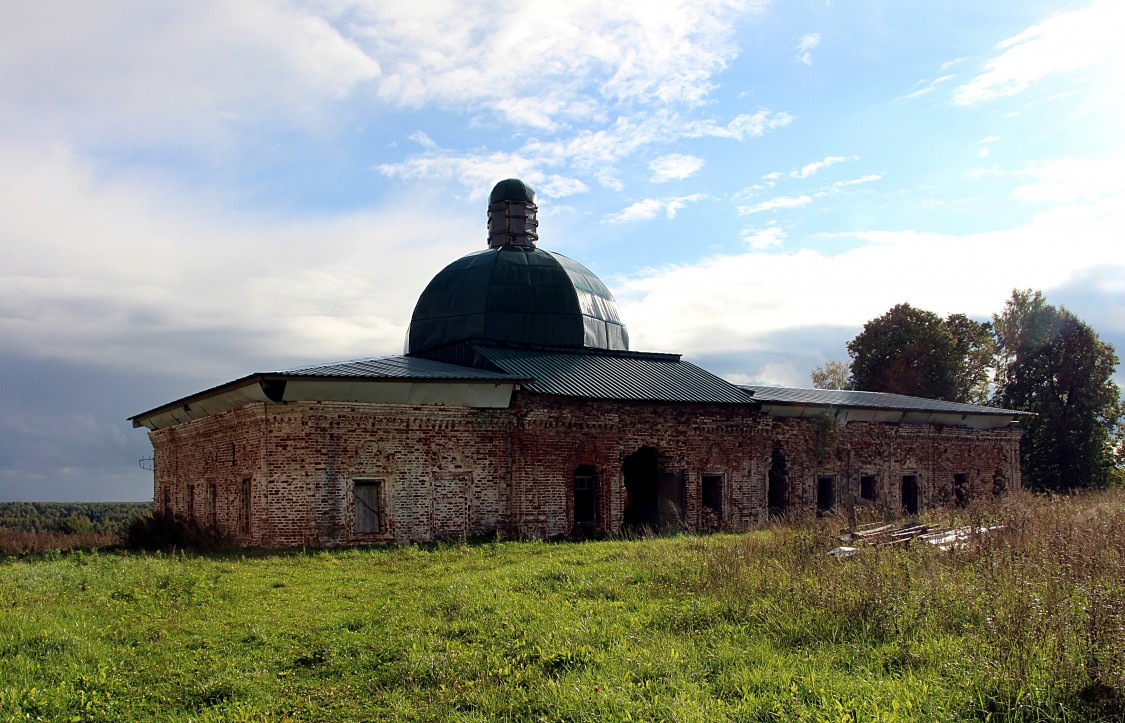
x=70 y=517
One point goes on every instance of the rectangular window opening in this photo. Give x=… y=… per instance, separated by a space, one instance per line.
x=368 y=505
x=213 y=489
x=585 y=496
x=961 y=490
x=712 y=493
x=867 y=487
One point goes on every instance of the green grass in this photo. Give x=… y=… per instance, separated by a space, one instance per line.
x=1028 y=625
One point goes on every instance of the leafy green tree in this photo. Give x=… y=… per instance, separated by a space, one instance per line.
x=905 y=351
x=831 y=374
x=976 y=348
x=1053 y=364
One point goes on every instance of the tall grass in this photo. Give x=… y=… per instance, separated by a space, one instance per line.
x=1024 y=623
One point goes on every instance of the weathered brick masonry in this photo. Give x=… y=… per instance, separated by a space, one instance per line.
x=280 y=475
x=519 y=408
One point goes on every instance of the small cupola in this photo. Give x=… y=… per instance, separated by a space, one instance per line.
x=512 y=215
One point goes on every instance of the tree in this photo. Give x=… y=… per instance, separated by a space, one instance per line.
x=831 y=374
x=1053 y=364
x=976 y=347
x=905 y=351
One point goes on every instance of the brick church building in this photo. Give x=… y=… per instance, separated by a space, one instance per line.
x=518 y=408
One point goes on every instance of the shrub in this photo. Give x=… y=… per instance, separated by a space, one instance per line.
x=159 y=531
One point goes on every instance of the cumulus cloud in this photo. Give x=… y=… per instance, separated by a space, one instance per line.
x=707 y=307
x=811 y=168
x=650 y=208
x=1071 y=180
x=539 y=65
x=1068 y=42
x=188 y=74
x=805 y=47
x=134 y=276
x=763 y=238
x=674 y=167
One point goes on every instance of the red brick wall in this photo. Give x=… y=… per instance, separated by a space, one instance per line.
x=453 y=471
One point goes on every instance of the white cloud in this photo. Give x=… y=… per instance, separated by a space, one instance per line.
x=132 y=276
x=765 y=238
x=923 y=87
x=1065 y=43
x=542 y=65
x=869 y=178
x=674 y=167
x=1071 y=180
x=708 y=308
x=811 y=168
x=125 y=72
x=592 y=152
x=650 y=208
x=804 y=47
x=774 y=204
x=422 y=139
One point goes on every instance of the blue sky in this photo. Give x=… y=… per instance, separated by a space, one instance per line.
x=191 y=192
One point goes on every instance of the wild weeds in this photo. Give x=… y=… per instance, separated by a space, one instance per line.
x=1022 y=623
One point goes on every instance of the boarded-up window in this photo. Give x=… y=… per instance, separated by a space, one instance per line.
x=368 y=505
x=867 y=487
x=713 y=493
x=244 y=507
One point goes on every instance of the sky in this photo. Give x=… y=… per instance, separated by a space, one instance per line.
x=194 y=191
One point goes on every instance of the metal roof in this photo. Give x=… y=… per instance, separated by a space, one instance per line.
x=516 y=295
x=869 y=400
x=400 y=367
x=596 y=374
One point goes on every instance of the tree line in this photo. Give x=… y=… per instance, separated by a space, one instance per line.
x=1032 y=356
x=70 y=517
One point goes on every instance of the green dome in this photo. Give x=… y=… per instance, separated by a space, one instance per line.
x=516 y=295
x=512 y=189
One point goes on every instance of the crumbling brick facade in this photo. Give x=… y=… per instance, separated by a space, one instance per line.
x=280 y=475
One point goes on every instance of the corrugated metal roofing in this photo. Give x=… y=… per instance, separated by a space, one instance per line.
x=614 y=375
x=870 y=400
x=400 y=367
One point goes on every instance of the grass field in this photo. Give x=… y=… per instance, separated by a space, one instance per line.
x=1026 y=624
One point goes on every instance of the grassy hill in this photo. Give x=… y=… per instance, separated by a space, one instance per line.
x=1025 y=623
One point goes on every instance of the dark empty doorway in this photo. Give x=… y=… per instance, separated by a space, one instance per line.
x=653 y=499
x=825 y=493
x=910 y=494
x=642 y=489
x=585 y=498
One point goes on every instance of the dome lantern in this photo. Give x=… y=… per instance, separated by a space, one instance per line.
x=513 y=293
x=512 y=215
